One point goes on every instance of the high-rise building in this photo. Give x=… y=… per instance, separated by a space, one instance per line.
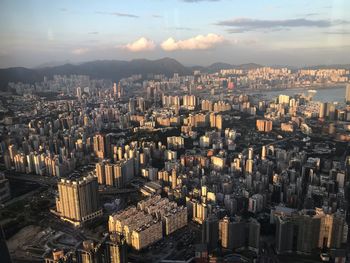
x=226 y=234
x=234 y=233
x=304 y=233
x=115 y=90
x=256 y=203
x=99 y=146
x=347 y=94
x=322 y=112
x=284 y=235
x=210 y=232
x=173 y=179
x=79 y=92
x=253 y=234
x=264 y=125
x=132 y=105
x=175 y=142
x=263 y=152
x=189 y=101
x=308 y=233
x=78 y=200
x=116 y=249
x=283 y=99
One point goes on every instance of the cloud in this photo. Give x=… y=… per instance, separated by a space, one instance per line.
x=240 y=25
x=63 y=9
x=142 y=44
x=93 y=33
x=339 y=32
x=312 y=14
x=117 y=14
x=80 y=51
x=157 y=16
x=199 y=42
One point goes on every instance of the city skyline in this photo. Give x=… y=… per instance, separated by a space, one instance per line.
x=193 y=32
x=174 y=131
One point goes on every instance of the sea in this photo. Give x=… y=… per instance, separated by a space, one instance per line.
x=331 y=94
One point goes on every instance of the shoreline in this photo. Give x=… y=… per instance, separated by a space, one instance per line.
x=305 y=88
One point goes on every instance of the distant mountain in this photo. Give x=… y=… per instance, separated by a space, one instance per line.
x=215 y=67
x=117 y=69
x=109 y=69
x=250 y=66
x=53 y=64
x=335 y=66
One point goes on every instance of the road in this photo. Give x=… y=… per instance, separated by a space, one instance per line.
x=39 y=179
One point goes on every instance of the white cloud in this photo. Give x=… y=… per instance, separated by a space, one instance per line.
x=142 y=44
x=80 y=51
x=198 y=42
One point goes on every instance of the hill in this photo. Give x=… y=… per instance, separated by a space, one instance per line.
x=109 y=69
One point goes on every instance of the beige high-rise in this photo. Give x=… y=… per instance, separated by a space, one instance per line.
x=78 y=200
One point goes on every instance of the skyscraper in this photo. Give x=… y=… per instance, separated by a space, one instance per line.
x=304 y=232
x=79 y=92
x=120 y=91
x=226 y=233
x=117 y=90
x=284 y=235
x=116 y=249
x=210 y=232
x=347 y=94
x=99 y=146
x=253 y=234
x=78 y=200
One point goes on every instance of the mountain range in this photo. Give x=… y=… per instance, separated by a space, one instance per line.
x=112 y=69
x=108 y=69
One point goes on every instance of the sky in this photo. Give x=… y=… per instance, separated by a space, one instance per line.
x=195 y=32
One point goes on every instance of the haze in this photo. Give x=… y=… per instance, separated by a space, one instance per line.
x=276 y=32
